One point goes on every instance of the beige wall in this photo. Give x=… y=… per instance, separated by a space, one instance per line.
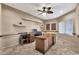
x=68 y=16
x=11 y=16
x=0 y=18
x=0 y=26
x=32 y=25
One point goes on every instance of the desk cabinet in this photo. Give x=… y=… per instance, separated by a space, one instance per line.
x=44 y=43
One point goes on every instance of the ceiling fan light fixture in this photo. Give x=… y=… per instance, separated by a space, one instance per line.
x=44 y=14
x=45 y=10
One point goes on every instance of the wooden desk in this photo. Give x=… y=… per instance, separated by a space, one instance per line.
x=44 y=42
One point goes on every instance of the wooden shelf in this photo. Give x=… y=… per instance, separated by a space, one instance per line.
x=17 y=25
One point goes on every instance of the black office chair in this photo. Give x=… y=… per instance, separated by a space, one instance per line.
x=36 y=33
x=23 y=37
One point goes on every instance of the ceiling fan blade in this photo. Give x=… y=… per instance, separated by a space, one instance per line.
x=40 y=10
x=50 y=12
x=40 y=13
x=49 y=8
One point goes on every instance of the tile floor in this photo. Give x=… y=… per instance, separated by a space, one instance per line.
x=62 y=47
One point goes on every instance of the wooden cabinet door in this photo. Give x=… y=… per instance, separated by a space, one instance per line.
x=53 y=26
x=47 y=26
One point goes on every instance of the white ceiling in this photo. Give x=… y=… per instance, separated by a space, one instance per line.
x=31 y=8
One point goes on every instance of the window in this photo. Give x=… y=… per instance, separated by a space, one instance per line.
x=53 y=26
x=47 y=26
x=66 y=27
x=61 y=27
x=69 y=27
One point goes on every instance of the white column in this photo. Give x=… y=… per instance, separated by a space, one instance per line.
x=0 y=25
x=77 y=21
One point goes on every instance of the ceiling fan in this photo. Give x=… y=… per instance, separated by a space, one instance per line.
x=46 y=10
